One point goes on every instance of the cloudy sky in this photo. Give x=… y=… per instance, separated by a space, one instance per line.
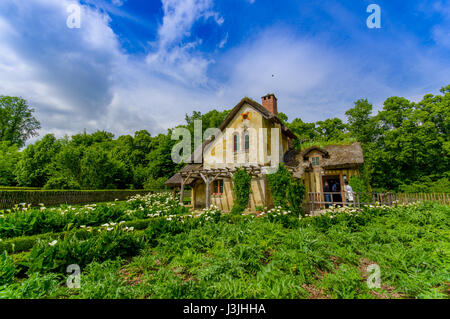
x=136 y=64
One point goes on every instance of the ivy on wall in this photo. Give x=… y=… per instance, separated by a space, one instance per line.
x=241 y=188
x=287 y=191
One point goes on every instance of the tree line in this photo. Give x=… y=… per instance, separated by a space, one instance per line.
x=406 y=147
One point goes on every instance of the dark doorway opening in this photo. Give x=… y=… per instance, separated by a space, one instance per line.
x=332 y=184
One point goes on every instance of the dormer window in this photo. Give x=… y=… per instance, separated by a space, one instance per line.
x=315 y=161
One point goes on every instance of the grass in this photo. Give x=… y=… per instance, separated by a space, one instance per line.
x=247 y=257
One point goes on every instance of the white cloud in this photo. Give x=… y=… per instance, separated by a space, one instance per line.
x=81 y=78
x=173 y=56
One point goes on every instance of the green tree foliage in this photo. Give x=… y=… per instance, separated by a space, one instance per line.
x=9 y=156
x=406 y=147
x=241 y=188
x=34 y=167
x=331 y=129
x=17 y=123
x=360 y=123
x=412 y=142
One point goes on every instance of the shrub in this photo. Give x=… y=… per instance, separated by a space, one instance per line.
x=61 y=182
x=241 y=187
x=360 y=186
x=427 y=185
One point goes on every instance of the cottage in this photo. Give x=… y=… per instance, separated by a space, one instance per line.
x=318 y=166
x=253 y=137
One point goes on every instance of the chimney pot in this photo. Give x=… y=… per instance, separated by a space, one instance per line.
x=269 y=102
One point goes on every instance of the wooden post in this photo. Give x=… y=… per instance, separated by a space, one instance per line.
x=182 y=191
x=359 y=203
x=208 y=194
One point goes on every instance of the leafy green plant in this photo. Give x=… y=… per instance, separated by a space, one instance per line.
x=35 y=287
x=241 y=188
x=295 y=195
x=108 y=244
x=345 y=283
x=361 y=187
x=279 y=185
x=7 y=269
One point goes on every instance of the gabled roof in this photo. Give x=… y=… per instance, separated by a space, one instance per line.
x=261 y=109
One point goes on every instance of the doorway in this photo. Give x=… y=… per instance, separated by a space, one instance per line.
x=332 y=183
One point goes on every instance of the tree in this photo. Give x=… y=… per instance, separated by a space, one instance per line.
x=360 y=123
x=9 y=156
x=17 y=123
x=100 y=171
x=331 y=129
x=34 y=168
x=306 y=132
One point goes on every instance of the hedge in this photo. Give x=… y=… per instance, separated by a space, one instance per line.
x=10 y=198
x=19 y=244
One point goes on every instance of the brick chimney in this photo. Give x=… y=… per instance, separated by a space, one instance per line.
x=269 y=102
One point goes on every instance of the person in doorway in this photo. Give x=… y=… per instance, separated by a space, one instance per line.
x=326 y=189
x=337 y=198
x=348 y=193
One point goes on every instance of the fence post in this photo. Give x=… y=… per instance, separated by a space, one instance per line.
x=359 y=203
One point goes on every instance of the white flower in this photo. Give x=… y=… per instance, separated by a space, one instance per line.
x=53 y=243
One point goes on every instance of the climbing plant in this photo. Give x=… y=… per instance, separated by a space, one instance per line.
x=241 y=188
x=296 y=193
x=279 y=184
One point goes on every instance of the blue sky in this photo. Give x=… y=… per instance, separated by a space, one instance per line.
x=143 y=64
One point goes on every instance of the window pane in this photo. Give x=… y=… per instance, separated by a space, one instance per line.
x=315 y=161
x=247 y=142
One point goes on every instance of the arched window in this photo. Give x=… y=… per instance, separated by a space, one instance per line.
x=236 y=142
x=246 y=141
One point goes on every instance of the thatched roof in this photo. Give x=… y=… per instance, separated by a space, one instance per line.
x=343 y=156
x=333 y=156
x=175 y=180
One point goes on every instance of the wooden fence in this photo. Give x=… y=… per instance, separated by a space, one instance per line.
x=319 y=201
